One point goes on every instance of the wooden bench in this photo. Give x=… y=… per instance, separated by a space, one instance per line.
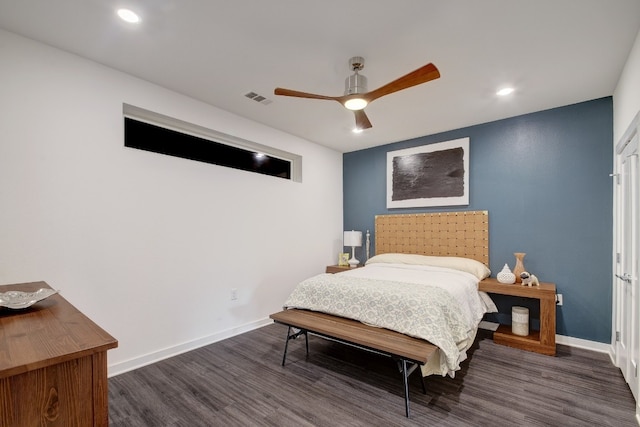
x=406 y=349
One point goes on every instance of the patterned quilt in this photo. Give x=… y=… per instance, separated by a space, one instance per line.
x=417 y=309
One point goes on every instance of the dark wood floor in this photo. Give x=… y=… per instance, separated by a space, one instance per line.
x=239 y=382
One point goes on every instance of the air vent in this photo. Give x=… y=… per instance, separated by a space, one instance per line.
x=258 y=98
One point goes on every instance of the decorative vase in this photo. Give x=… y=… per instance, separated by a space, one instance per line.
x=506 y=276
x=519 y=268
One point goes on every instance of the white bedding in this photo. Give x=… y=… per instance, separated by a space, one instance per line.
x=438 y=304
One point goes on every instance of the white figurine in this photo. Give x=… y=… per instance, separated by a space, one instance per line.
x=529 y=279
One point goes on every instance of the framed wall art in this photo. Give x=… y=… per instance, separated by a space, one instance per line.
x=343 y=258
x=429 y=175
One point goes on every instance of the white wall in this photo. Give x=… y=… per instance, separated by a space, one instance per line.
x=146 y=245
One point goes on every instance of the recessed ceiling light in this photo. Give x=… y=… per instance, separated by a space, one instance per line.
x=128 y=16
x=504 y=91
x=357 y=130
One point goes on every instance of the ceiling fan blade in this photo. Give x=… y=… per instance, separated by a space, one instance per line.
x=362 y=121
x=297 y=94
x=421 y=75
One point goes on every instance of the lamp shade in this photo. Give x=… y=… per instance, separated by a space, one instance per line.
x=353 y=238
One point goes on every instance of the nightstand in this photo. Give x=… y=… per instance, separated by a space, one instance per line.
x=339 y=268
x=542 y=341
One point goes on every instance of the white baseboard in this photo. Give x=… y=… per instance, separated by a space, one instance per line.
x=138 y=362
x=586 y=344
x=488 y=326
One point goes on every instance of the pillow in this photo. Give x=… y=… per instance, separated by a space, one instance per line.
x=468 y=265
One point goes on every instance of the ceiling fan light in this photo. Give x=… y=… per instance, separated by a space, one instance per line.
x=355 y=104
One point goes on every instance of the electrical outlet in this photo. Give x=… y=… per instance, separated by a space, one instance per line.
x=559 y=299
x=234 y=294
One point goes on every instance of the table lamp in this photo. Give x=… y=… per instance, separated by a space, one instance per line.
x=353 y=239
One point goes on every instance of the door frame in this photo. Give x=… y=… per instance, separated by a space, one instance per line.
x=632 y=132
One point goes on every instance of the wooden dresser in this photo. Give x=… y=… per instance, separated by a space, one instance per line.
x=53 y=364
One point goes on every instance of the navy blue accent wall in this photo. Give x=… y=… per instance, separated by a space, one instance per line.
x=544 y=178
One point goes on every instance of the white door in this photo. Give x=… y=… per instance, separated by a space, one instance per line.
x=627 y=297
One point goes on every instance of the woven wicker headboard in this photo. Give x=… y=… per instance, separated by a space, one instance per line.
x=462 y=234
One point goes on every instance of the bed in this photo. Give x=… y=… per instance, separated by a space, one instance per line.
x=422 y=283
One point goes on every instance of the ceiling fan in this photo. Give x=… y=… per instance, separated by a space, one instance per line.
x=356 y=96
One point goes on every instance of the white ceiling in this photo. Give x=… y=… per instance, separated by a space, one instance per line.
x=553 y=52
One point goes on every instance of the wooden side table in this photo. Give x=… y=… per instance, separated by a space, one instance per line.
x=338 y=268
x=542 y=341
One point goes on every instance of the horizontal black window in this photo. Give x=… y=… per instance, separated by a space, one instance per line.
x=145 y=136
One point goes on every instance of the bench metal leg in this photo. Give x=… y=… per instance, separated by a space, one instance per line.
x=406 y=373
x=306 y=342
x=402 y=363
x=405 y=378
x=286 y=345
x=293 y=336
